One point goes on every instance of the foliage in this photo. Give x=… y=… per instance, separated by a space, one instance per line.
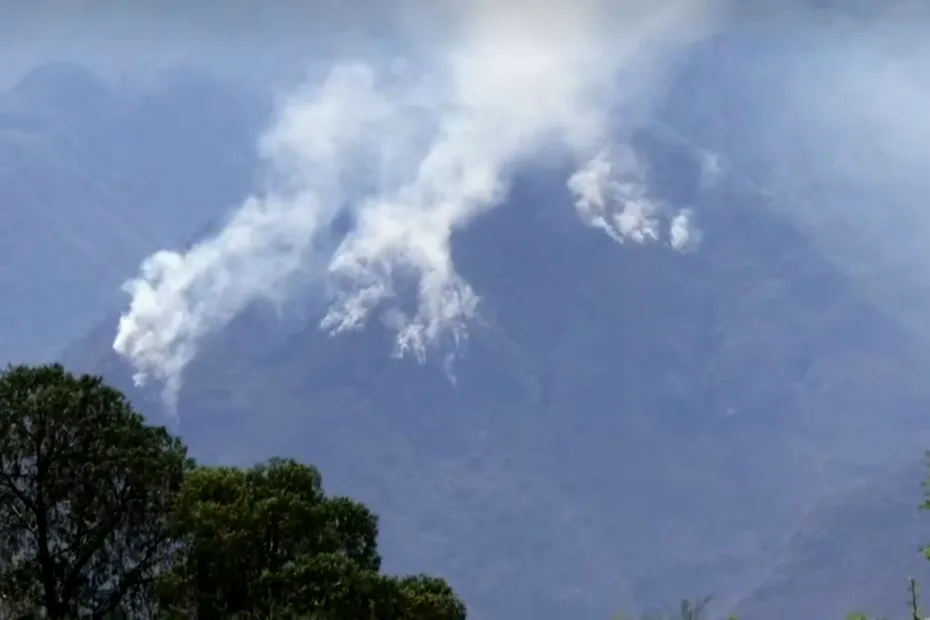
x=86 y=492
x=251 y=536
x=267 y=542
x=104 y=516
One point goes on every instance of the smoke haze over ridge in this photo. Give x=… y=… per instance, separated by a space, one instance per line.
x=415 y=151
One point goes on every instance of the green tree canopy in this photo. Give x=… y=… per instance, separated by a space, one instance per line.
x=104 y=516
x=86 y=493
x=268 y=542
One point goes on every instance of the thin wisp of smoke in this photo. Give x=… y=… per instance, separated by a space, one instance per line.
x=415 y=155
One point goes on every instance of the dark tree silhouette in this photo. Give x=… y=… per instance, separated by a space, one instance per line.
x=86 y=493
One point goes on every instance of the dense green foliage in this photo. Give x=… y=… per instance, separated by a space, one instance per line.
x=86 y=494
x=104 y=516
x=268 y=541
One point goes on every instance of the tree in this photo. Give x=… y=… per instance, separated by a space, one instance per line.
x=267 y=542
x=86 y=493
x=103 y=516
x=428 y=598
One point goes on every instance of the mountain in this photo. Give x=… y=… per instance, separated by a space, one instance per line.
x=95 y=177
x=626 y=426
x=864 y=546
x=822 y=123
x=795 y=117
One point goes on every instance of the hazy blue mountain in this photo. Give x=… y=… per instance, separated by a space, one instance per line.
x=826 y=122
x=861 y=549
x=95 y=177
x=629 y=424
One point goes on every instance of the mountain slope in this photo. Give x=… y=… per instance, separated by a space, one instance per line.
x=627 y=425
x=95 y=177
x=863 y=546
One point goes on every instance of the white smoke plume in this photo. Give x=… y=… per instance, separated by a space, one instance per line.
x=414 y=154
x=610 y=195
x=683 y=233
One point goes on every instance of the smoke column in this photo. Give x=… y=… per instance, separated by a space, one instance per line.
x=414 y=152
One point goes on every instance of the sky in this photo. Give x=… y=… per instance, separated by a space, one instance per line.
x=246 y=40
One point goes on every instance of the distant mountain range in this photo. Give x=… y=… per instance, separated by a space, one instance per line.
x=627 y=426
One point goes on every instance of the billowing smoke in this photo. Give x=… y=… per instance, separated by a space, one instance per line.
x=413 y=153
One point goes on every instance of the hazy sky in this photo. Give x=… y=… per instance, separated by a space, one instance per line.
x=247 y=38
x=261 y=40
